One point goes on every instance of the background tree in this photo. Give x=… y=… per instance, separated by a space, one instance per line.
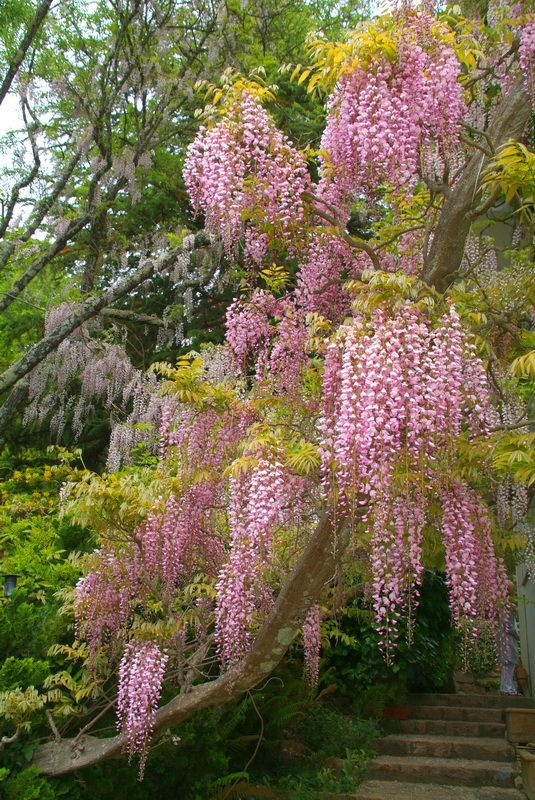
x=107 y=107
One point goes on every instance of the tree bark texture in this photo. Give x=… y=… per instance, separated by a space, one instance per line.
x=509 y=121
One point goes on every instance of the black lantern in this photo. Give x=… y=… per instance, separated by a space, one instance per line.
x=10 y=581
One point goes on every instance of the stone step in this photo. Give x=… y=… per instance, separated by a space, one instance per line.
x=489 y=700
x=459 y=713
x=393 y=790
x=436 y=746
x=447 y=727
x=450 y=771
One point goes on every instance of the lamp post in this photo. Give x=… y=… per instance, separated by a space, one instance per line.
x=10 y=581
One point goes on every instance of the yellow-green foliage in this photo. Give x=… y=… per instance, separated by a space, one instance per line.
x=220 y=98
x=514 y=454
x=512 y=173
x=374 y=41
x=18 y=706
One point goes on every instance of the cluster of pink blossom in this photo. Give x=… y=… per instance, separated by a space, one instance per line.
x=328 y=259
x=172 y=546
x=477 y=579
x=312 y=644
x=249 y=327
x=163 y=553
x=259 y=503
x=406 y=255
x=243 y=163
x=207 y=439
x=141 y=674
x=526 y=54
x=381 y=116
x=270 y=334
x=397 y=393
x=462 y=553
x=103 y=600
x=284 y=363
x=396 y=559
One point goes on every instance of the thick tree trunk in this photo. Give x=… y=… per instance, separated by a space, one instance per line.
x=312 y=573
x=509 y=121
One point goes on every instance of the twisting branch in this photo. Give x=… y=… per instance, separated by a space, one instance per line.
x=88 y=309
x=484 y=207
x=26 y=180
x=52 y=725
x=9 y=739
x=40 y=211
x=124 y=315
x=484 y=72
x=526 y=423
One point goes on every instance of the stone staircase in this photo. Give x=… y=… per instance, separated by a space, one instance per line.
x=452 y=747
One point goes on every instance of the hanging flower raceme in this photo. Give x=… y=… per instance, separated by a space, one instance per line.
x=270 y=335
x=248 y=326
x=397 y=393
x=163 y=554
x=141 y=675
x=399 y=388
x=172 y=546
x=243 y=163
x=388 y=105
x=260 y=502
x=396 y=557
x=477 y=580
x=328 y=259
x=103 y=599
x=526 y=54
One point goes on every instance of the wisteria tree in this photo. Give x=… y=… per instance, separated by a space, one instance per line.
x=364 y=405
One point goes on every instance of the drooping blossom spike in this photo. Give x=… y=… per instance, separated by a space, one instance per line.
x=396 y=559
x=312 y=644
x=477 y=579
x=462 y=553
x=166 y=551
x=397 y=394
x=327 y=261
x=383 y=114
x=526 y=54
x=141 y=674
x=103 y=600
x=243 y=163
x=260 y=502
x=269 y=335
x=248 y=326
